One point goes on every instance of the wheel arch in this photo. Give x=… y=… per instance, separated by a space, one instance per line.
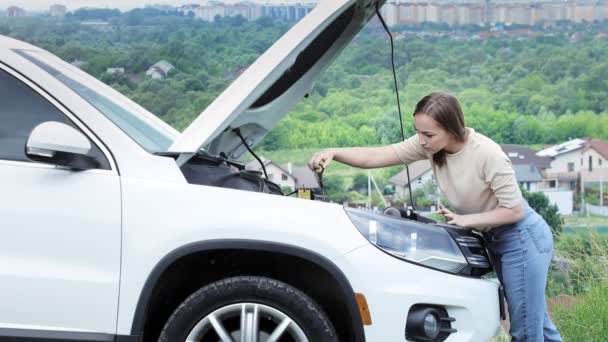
x=339 y=284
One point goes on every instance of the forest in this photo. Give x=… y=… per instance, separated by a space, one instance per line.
x=529 y=89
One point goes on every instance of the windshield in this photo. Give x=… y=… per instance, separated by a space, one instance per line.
x=150 y=135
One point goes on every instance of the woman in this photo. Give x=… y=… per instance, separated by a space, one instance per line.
x=478 y=181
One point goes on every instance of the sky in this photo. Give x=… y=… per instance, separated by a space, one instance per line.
x=43 y=5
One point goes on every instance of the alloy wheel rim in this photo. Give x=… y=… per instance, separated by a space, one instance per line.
x=246 y=322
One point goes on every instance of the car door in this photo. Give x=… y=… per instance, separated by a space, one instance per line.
x=60 y=229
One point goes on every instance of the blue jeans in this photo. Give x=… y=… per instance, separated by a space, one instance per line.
x=522 y=254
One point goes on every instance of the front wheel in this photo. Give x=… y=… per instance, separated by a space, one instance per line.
x=248 y=309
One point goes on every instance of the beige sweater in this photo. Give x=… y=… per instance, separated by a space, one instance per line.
x=476 y=179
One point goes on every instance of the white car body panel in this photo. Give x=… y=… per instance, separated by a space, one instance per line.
x=391 y=286
x=209 y=213
x=60 y=244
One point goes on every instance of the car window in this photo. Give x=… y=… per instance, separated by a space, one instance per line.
x=148 y=136
x=22 y=109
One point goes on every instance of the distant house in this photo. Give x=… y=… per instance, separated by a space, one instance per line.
x=295 y=177
x=576 y=37
x=564 y=171
x=594 y=161
x=574 y=164
x=115 y=70
x=576 y=161
x=160 y=70
x=420 y=173
x=528 y=177
x=522 y=155
x=276 y=173
x=527 y=165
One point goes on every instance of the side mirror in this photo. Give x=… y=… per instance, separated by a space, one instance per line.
x=59 y=144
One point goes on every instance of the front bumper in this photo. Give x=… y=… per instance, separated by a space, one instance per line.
x=391 y=286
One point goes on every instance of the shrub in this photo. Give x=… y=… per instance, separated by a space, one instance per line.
x=539 y=202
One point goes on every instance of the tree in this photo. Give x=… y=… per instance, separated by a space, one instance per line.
x=333 y=186
x=540 y=203
x=360 y=183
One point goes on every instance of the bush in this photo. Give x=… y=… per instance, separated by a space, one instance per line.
x=334 y=188
x=587 y=319
x=540 y=203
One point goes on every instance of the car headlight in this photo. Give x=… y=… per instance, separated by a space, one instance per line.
x=421 y=243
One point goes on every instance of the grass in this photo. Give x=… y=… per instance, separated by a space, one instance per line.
x=578 y=287
x=584 y=221
x=580 y=223
x=587 y=319
x=581 y=318
x=580 y=262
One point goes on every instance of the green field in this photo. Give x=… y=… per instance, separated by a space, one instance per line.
x=573 y=224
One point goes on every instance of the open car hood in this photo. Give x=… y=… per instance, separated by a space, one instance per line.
x=276 y=81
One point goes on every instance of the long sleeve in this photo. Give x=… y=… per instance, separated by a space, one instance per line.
x=410 y=150
x=499 y=175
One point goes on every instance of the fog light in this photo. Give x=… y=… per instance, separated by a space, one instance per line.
x=431 y=326
x=428 y=323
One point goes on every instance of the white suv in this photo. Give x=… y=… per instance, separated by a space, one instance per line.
x=116 y=227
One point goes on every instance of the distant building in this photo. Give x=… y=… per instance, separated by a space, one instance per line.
x=276 y=173
x=294 y=177
x=57 y=10
x=584 y=11
x=115 y=70
x=247 y=10
x=420 y=173
x=521 y=155
x=188 y=9
x=399 y=12
x=576 y=162
x=15 y=11
x=160 y=7
x=564 y=171
x=212 y=10
x=242 y=10
x=594 y=161
x=209 y=12
x=528 y=177
x=527 y=165
x=287 y=12
x=160 y=70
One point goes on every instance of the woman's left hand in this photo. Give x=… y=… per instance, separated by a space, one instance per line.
x=455 y=219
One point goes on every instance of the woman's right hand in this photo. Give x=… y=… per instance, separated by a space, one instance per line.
x=321 y=159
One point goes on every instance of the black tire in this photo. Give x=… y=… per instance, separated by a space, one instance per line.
x=303 y=310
